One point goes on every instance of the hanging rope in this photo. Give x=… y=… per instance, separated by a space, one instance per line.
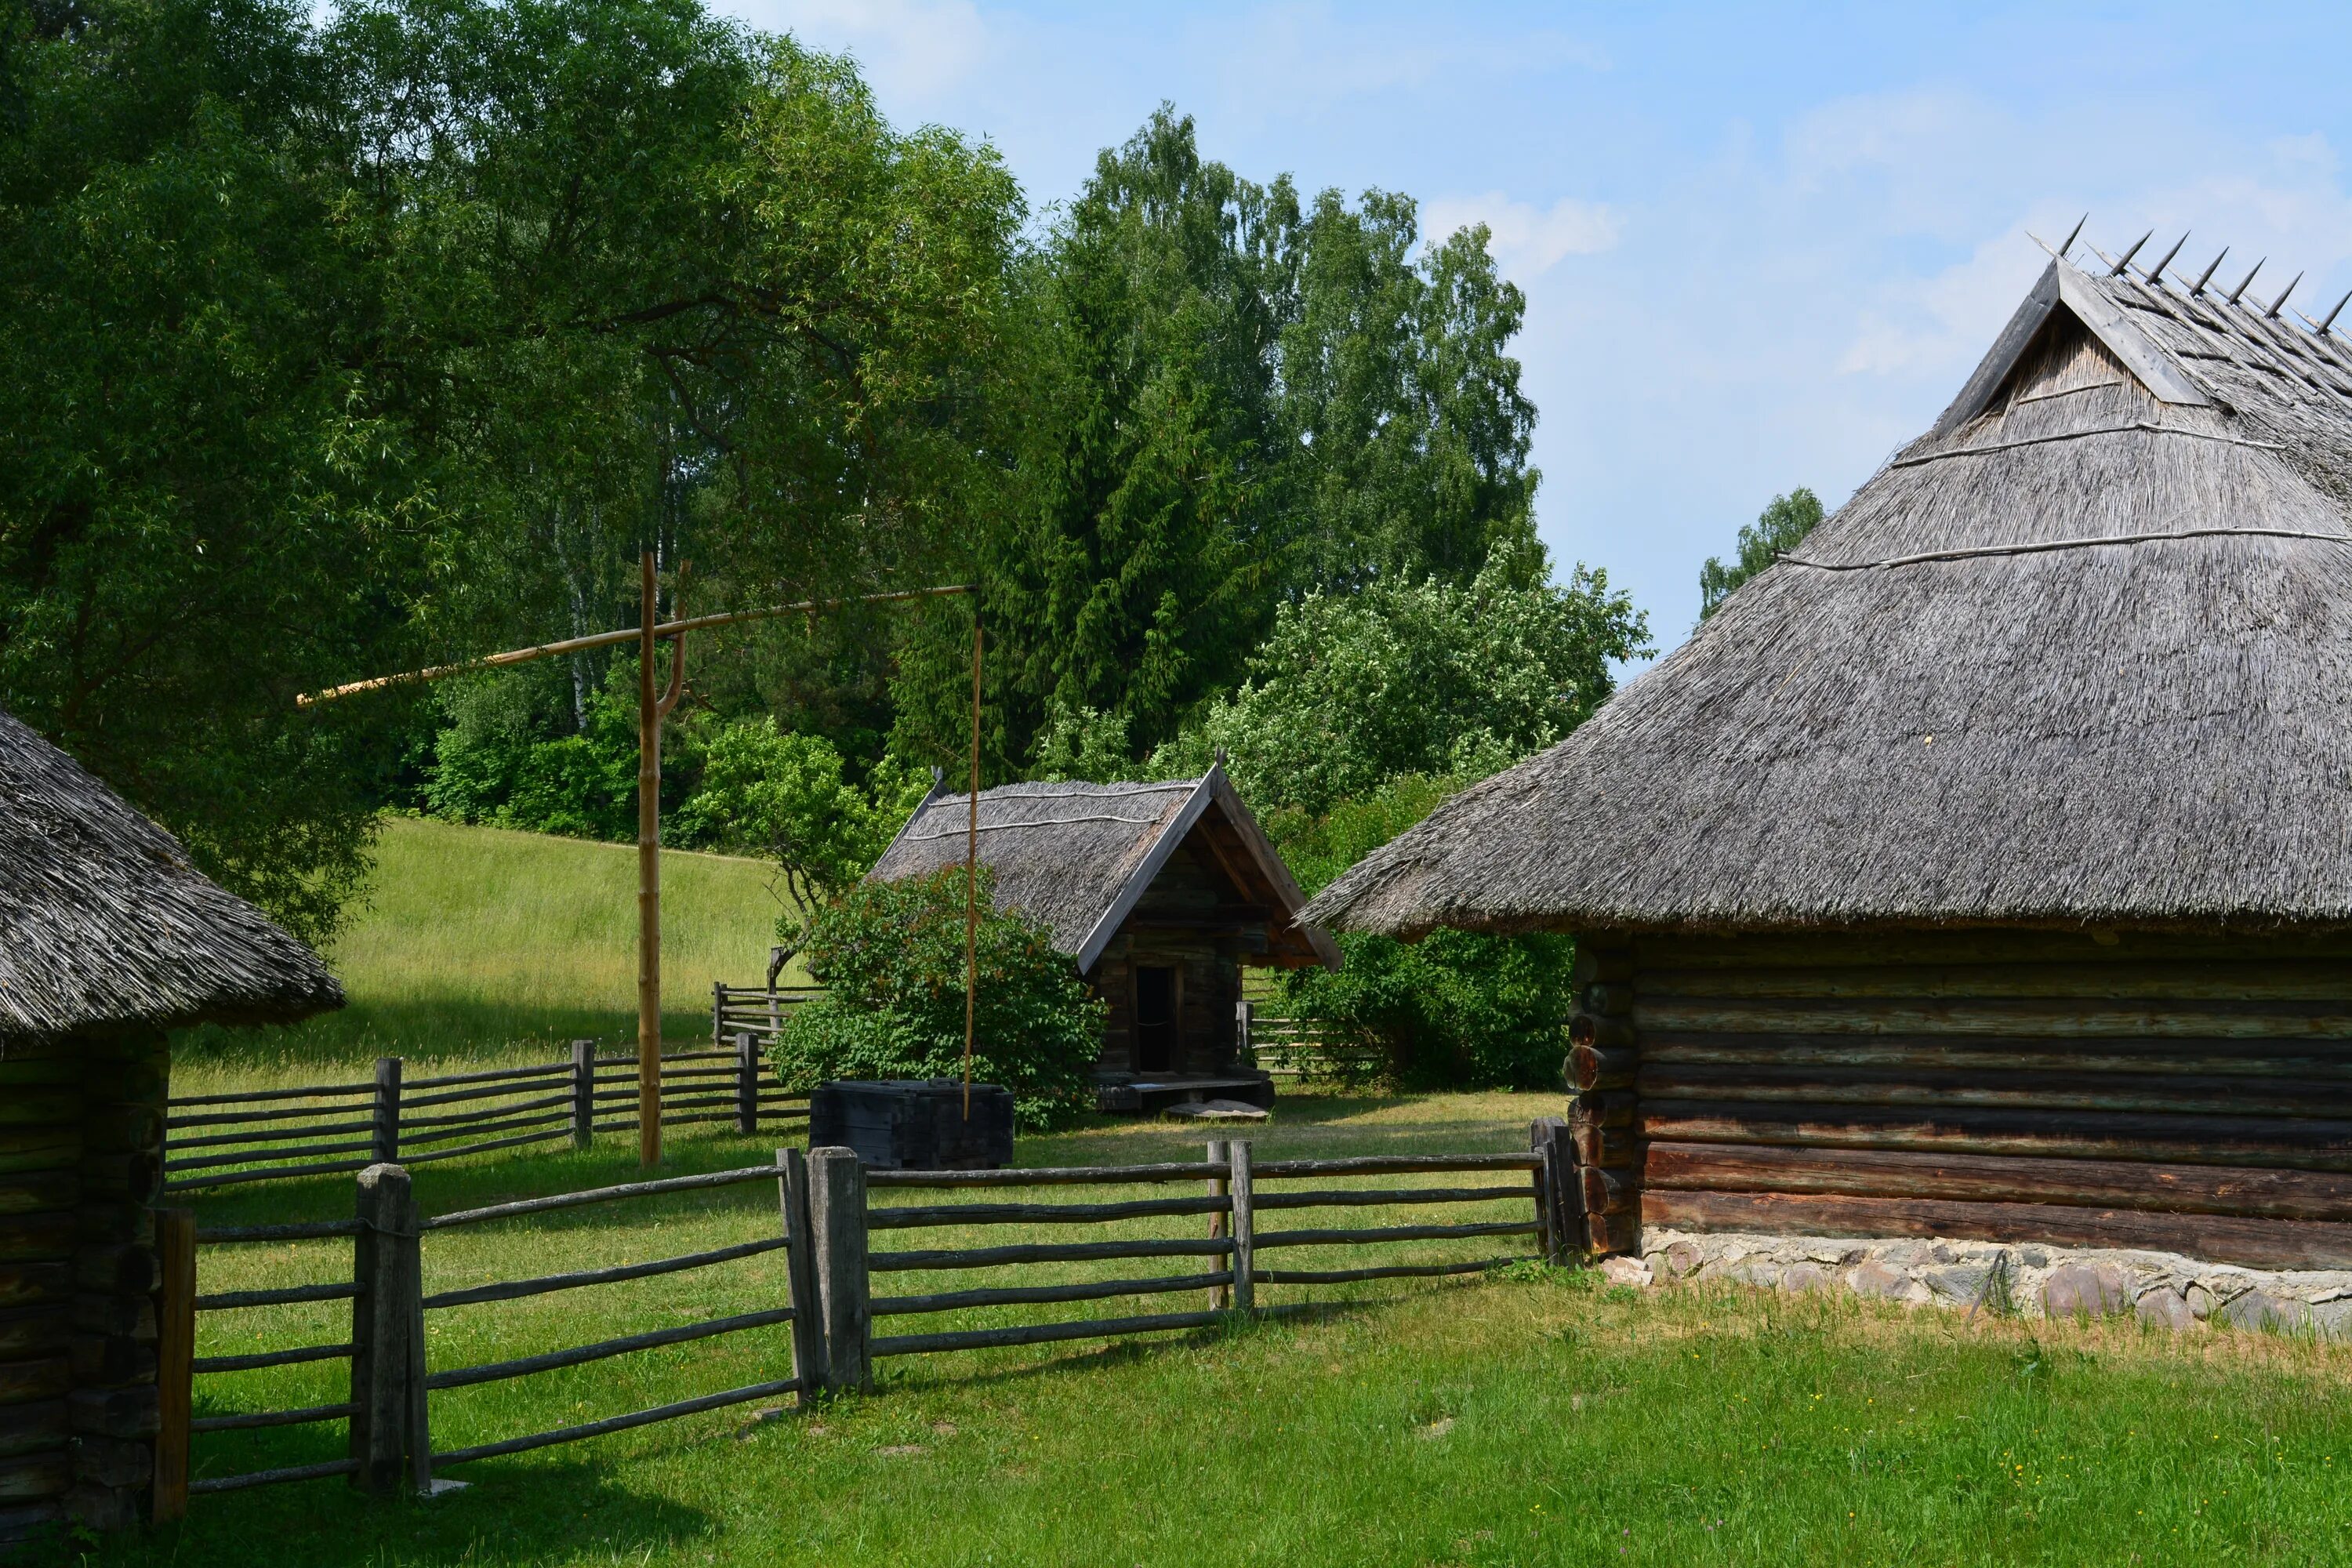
x=971 y=874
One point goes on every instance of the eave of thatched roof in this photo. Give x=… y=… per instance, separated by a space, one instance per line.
x=2083 y=653
x=104 y=922
x=1080 y=857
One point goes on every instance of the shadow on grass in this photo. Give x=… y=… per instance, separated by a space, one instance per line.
x=444 y=1028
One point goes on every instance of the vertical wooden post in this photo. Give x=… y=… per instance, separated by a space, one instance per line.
x=800 y=1272
x=971 y=875
x=1244 y=1047
x=1603 y=1060
x=389 y=1435
x=1559 y=1207
x=649 y=1139
x=386 y=1136
x=175 y=1356
x=583 y=1093
x=837 y=1229
x=1244 y=1198
x=1221 y=1297
x=747 y=1085
x=718 y=1011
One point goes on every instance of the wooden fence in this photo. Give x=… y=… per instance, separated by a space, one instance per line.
x=261 y=1135
x=759 y=1010
x=1285 y=1045
x=826 y=1219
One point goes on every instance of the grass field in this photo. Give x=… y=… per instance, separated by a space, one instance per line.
x=480 y=945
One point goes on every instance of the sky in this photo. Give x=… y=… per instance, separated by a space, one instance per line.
x=1760 y=247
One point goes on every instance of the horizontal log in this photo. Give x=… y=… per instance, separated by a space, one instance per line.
x=1612 y=1146
x=2069 y=944
x=1381 y=1235
x=477 y=1130
x=34 y=1428
x=33 y=1284
x=2217 y=1238
x=278 y=1477
x=412 y=1125
x=545 y=1284
x=540 y=1086
x=1038 y=1333
x=1386 y=1271
x=181 y=1169
x=1606 y=1235
x=2096 y=1183
x=1397 y=1197
x=276 y=1174
x=34 y=1477
x=2304 y=980
x=1607 y=1000
x=1590 y=1067
x=301 y=1230
x=1614 y=1109
x=260 y=1359
x=36 y=1237
x=2326 y=1060
x=38 y=1192
x=2050 y=1091
x=1037 y=1214
x=516 y=1142
x=41 y=1107
x=31 y=1382
x=1609 y=1192
x=493 y=1075
x=2091 y=1020
x=125 y=1270
x=252 y=1096
x=245 y=1421
x=279 y=1296
x=1049 y=1176
x=618 y=1423
x=1601 y=1034
x=2192 y=1140
x=1029 y=1295
x=273 y=1135
x=1386 y=1164
x=260 y=1118
x=603 y=1195
x=1046 y=1252
x=626 y=1344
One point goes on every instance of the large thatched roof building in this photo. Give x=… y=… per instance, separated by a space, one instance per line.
x=2007 y=820
x=108 y=937
x=1158 y=893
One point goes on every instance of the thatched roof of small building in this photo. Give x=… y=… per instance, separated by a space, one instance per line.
x=103 y=921
x=2081 y=653
x=1079 y=857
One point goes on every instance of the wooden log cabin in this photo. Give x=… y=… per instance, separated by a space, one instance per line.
x=1983 y=868
x=109 y=939
x=1160 y=893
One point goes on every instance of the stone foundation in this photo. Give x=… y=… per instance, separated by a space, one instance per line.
x=2160 y=1288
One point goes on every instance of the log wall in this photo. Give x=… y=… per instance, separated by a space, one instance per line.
x=81 y=1137
x=2188 y=1095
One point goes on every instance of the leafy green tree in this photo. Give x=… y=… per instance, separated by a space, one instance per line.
x=892 y=955
x=1779 y=529
x=498 y=762
x=1414 y=678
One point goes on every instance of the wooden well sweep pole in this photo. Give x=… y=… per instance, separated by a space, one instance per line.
x=971 y=874
x=649 y=1139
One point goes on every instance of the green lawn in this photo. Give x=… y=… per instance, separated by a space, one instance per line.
x=1530 y=1417
x=478 y=945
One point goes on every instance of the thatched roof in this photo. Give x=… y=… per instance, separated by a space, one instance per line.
x=104 y=921
x=1080 y=857
x=2082 y=653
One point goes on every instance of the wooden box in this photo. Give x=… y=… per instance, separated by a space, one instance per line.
x=914 y=1124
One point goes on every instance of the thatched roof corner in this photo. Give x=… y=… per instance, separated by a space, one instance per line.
x=104 y=922
x=1079 y=857
x=2080 y=654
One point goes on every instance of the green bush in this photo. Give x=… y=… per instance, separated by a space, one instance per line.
x=892 y=954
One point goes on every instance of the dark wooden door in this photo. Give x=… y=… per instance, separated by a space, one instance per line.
x=1155 y=1017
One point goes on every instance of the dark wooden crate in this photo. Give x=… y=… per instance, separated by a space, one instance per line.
x=914 y=1124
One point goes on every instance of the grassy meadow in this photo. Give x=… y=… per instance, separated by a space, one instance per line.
x=477 y=946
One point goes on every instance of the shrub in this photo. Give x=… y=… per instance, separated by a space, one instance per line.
x=892 y=955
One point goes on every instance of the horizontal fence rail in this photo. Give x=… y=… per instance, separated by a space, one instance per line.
x=826 y=1222
x=283 y=1135
x=758 y=1010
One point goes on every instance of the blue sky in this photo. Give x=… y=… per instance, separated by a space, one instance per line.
x=1760 y=247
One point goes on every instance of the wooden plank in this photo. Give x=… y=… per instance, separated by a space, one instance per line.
x=1046 y=1252
x=914 y=1217
x=2098 y=1183
x=2310 y=1145
x=1391 y=1197
x=175 y=1352
x=1808 y=1085
x=2219 y=1239
x=1387 y=1271
x=1048 y=1175
x=1242 y=1196
x=1042 y=1333
x=671 y=1412
x=580 y=1355
x=2250 y=1060
x=793 y=1213
x=387 y=1372
x=1386 y=1164
x=1029 y=1295
x=837 y=1236
x=515 y=1290
x=1382 y=1234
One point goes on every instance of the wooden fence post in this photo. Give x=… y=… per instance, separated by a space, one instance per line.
x=1244 y=1207
x=387 y=1110
x=1220 y=1295
x=175 y=1356
x=583 y=1093
x=747 y=1085
x=1560 y=1206
x=837 y=1228
x=809 y=1357
x=390 y=1436
x=718 y=1010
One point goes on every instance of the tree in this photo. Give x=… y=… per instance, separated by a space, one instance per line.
x=1777 y=530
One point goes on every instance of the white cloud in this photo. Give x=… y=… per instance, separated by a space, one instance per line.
x=1528 y=240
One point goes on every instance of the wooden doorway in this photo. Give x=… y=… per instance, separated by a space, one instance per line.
x=1155 y=1017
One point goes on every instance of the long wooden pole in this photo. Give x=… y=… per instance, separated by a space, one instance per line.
x=971 y=875
x=649 y=1140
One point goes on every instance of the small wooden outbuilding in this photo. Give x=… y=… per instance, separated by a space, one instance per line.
x=1982 y=870
x=109 y=938
x=1159 y=893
